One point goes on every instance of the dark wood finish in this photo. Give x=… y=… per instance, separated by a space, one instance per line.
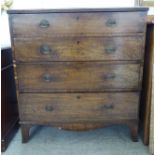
x=78 y=24
x=134 y=130
x=9 y=113
x=78 y=49
x=78 y=107
x=71 y=65
x=147 y=84
x=25 y=129
x=125 y=9
x=78 y=76
x=6 y=58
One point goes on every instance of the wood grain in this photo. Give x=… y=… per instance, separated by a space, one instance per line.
x=77 y=76
x=87 y=24
x=78 y=107
x=78 y=49
x=78 y=69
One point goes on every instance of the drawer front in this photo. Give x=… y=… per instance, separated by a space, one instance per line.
x=78 y=49
x=77 y=76
x=78 y=107
x=53 y=24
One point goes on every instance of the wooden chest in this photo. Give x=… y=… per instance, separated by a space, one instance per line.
x=78 y=69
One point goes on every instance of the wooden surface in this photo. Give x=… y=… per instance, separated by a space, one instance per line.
x=75 y=60
x=78 y=49
x=78 y=24
x=6 y=59
x=147 y=83
x=78 y=107
x=151 y=133
x=127 y=9
x=78 y=77
x=9 y=114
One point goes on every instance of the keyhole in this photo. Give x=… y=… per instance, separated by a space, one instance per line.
x=77 y=18
x=78 y=42
x=78 y=97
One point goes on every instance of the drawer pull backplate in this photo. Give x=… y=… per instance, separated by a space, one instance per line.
x=111 y=23
x=44 y=23
x=45 y=49
x=110 y=50
x=49 y=108
x=109 y=76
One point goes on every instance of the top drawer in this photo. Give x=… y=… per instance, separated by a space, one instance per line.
x=73 y=24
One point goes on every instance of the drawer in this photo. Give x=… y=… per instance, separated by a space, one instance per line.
x=77 y=76
x=89 y=24
x=78 y=49
x=78 y=107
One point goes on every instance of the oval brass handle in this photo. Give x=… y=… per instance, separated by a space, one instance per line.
x=109 y=76
x=44 y=23
x=45 y=49
x=111 y=23
x=47 y=77
x=77 y=18
x=108 y=106
x=49 y=108
x=110 y=50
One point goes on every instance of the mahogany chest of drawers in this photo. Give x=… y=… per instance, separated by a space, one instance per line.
x=78 y=69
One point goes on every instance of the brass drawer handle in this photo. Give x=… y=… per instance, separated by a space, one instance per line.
x=110 y=50
x=77 y=18
x=109 y=76
x=45 y=49
x=47 y=78
x=49 y=108
x=108 y=106
x=44 y=23
x=111 y=23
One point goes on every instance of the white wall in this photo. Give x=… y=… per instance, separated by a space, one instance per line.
x=71 y=3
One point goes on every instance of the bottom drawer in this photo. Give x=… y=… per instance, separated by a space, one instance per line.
x=78 y=107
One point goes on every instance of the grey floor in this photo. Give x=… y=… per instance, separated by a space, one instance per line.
x=113 y=140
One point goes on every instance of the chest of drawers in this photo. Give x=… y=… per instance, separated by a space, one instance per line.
x=78 y=69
